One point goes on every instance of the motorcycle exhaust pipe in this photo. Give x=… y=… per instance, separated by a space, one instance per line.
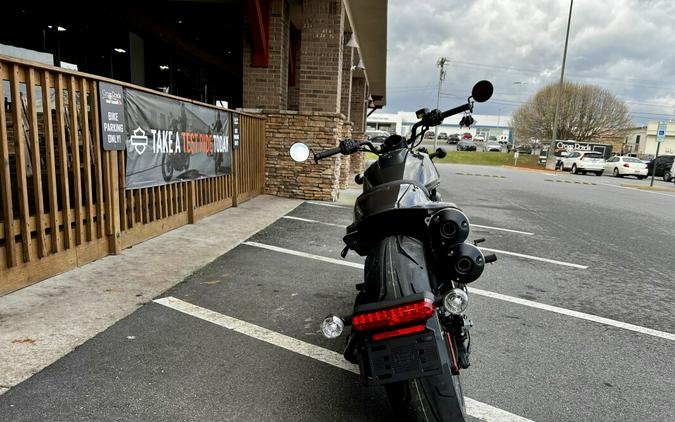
x=466 y=263
x=448 y=227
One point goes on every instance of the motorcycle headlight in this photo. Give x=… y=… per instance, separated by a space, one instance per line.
x=456 y=301
x=332 y=326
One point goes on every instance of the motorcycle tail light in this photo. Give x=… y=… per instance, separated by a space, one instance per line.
x=392 y=317
x=400 y=332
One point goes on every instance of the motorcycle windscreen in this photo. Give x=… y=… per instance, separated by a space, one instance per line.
x=389 y=197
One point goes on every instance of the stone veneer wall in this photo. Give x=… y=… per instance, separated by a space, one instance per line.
x=357 y=160
x=283 y=176
x=345 y=167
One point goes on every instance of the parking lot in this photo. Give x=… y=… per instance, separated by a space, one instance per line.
x=575 y=322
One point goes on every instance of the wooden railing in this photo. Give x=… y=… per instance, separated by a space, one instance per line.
x=63 y=201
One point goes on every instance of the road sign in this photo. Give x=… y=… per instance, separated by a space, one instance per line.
x=661 y=131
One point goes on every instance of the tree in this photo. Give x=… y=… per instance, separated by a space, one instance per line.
x=587 y=113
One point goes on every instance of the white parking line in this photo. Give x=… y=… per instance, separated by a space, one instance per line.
x=473 y=407
x=304 y=255
x=502 y=229
x=325 y=204
x=635 y=189
x=536 y=258
x=529 y=303
x=568 y=312
x=307 y=220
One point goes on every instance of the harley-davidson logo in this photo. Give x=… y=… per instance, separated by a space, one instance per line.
x=139 y=141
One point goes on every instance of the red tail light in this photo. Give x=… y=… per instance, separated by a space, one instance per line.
x=391 y=317
x=400 y=332
x=626 y=165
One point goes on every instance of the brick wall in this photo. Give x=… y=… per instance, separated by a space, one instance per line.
x=345 y=160
x=321 y=48
x=308 y=180
x=267 y=87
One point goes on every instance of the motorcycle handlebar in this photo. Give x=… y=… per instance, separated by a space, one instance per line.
x=457 y=110
x=327 y=153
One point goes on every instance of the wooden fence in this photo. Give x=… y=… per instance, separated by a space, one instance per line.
x=63 y=201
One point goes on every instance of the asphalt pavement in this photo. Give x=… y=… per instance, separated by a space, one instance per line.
x=570 y=254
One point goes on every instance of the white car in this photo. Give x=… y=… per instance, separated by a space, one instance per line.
x=492 y=146
x=479 y=138
x=584 y=162
x=626 y=166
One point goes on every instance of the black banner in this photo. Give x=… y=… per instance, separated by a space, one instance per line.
x=170 y=140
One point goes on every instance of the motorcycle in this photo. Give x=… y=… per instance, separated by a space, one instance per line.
x=409 y=331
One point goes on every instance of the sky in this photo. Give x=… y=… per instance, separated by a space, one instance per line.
x=625 y=46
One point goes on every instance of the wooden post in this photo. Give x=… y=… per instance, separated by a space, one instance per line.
x=21 y=175
x=113 y=203
x=77 y=169
x=5 y=181
x=36 y=164
x=191 y=201
x=235 y=189
x=63 y=165
x=45 y=81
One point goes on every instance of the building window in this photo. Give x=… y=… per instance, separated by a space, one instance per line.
x=637 y=139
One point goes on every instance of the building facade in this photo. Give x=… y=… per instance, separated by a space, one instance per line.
x=401 y=123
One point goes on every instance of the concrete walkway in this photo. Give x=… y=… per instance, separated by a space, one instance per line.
x=46 y=321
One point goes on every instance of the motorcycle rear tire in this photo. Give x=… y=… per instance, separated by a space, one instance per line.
x=388 y=275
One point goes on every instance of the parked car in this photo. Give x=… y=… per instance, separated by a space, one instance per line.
x=442 y=136
x=467 y=135
x=663 y=163
x=626 y=166
x=672 y=172
x=372 y=133
x=429 y=135
x=583 y=162
x=378 y=139
x=466 y=145
x=492 y=146
x=479 y=138
x=524 y=149
x=454 y=138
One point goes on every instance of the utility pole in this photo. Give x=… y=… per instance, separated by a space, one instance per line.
x=550 y=158
x=441 y=76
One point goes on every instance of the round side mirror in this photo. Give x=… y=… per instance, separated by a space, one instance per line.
x=482 y=91
x=299 y=152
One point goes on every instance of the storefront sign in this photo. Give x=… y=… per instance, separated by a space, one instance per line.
x=111 y=106
x=235 y=131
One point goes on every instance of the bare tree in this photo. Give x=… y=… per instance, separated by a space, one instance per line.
x=587 y=112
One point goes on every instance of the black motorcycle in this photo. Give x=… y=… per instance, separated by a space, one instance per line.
x=409 y=332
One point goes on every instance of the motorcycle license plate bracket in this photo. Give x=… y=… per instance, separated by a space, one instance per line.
x=400 y=359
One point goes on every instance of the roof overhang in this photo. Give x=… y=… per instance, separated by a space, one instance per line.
x=368 y=19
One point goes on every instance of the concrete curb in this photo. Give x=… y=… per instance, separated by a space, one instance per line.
x=654 y=188
x=44 y=322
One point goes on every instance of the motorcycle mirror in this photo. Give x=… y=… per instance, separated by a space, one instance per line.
x=482 y=91
x=299 y=152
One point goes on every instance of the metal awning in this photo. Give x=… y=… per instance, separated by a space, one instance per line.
x=368 y=20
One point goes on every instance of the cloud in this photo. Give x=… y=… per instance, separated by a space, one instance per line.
x=621 y=45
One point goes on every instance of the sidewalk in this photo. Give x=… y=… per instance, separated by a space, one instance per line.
x=46 y=321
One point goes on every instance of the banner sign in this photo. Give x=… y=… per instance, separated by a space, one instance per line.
x=111 y=106
x=171 y=140
x=235 y=130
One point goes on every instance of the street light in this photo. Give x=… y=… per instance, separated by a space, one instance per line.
x=550 y=158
